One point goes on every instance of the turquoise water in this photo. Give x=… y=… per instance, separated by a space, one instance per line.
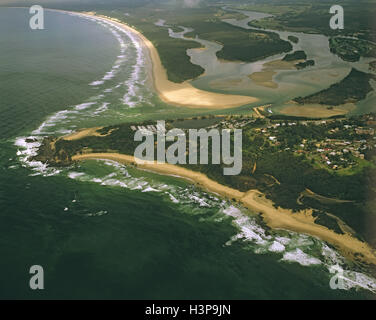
x=103 y=230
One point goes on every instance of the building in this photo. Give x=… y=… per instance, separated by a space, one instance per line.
x=361 y=130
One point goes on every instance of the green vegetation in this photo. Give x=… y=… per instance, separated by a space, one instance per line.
x=296 y=55
x=372 y=65
x=274 y=162
x=196 y=122
x=300 y=17
x=305 y=64
x=173 y=52
x=296 y=118
x=349 y=49
x=299 y=55
x=238 y=44
x=314 y=17
x=354 y=87
x=176 y=62
x=323 y=219
x=293 y=39
x=266 y=7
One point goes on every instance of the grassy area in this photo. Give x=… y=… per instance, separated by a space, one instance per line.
x=361 y=165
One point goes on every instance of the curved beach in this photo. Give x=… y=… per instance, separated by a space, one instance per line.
x=186 y=95
x=180 y=94
x=301 y=222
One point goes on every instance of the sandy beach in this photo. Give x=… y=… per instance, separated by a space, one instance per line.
x=186 y=95
x=83 y=133
x=181 y=94
x=301 y=222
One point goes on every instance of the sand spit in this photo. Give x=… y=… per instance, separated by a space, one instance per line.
x=180 y=94
x=277 y=218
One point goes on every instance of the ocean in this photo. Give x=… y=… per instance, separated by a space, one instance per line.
x=103 y=230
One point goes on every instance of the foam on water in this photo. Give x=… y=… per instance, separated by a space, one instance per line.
x=28 y=147
x=131 y=98
x=294 y=248
x=288 y=247
x=129 y=64
x=277 y=247
x=302 y=258
x=102 y=108
x=150 y=189
x=84 y=106
x=74 y=175
x=69 y=119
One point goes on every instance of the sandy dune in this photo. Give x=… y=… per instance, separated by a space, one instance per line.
x=83 y=133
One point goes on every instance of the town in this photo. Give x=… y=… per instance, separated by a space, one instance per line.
x=335 y=144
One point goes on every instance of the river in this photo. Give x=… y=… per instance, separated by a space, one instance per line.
x=104 y=230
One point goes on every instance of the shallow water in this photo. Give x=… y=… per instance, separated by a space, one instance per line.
x=103 y=230
x=232 y=77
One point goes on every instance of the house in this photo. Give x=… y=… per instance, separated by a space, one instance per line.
x=361 y=130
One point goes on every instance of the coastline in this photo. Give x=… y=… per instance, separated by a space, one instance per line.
x=186 y=95
x=146 y=233
x=180 y=94
x=301 y=222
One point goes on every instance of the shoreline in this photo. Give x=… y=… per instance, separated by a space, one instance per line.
x=301 y=222
x=179 y=94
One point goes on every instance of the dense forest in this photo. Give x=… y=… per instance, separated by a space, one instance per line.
x=296 y=55
x=354 y=87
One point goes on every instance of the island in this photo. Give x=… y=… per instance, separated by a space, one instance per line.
x=354 y=87
x=293 y=39
x=351 y=49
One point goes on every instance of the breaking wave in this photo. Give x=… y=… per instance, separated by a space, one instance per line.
x=290 y=247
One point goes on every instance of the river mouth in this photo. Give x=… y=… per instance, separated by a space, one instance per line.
x=277 y=85
x=109 y=220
